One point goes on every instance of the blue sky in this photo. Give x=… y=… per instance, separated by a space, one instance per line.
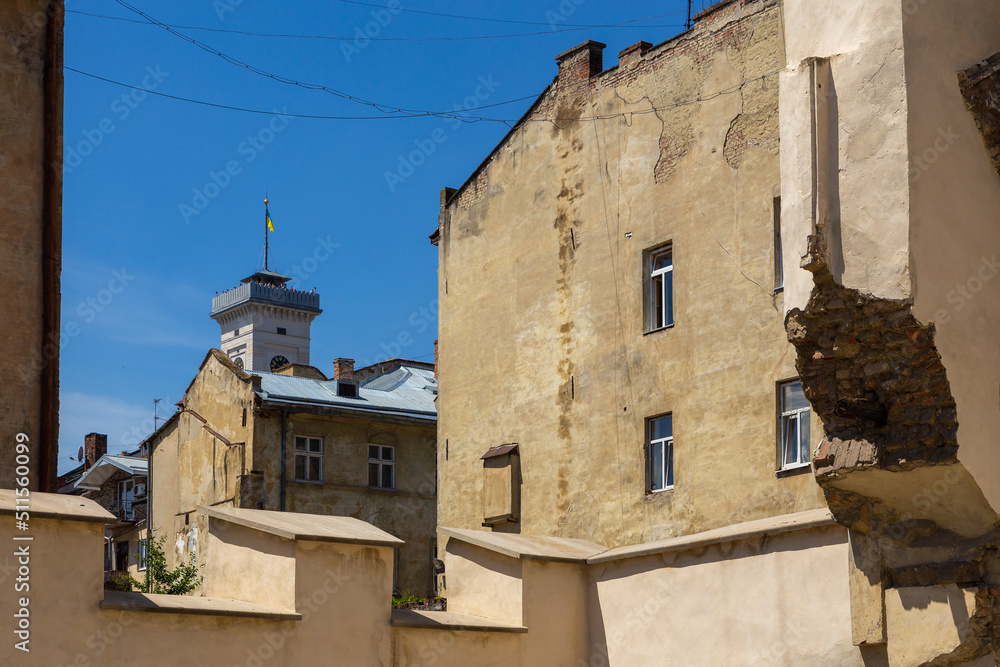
x=163 y=199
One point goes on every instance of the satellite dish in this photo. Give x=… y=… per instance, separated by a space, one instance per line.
x=79 y=455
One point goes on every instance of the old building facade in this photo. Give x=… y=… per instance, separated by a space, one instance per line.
x=628 y=255
x=359 y=444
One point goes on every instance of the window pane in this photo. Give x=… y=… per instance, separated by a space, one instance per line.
x=669 y=446
x=387 y=453
x=656 y=466
x=315 y=445
x=314 y=468
x=300 y=467
x=789 y=441
x=662 y=260
x=803 y=422
x=657 y=287
x=387 y=471
x=300 y=444
x=792 y=397
x=668 y=299
x=661 y=427
x=372 y=474
x=372 y=451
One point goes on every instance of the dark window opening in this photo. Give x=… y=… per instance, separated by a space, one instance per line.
x=282 y=331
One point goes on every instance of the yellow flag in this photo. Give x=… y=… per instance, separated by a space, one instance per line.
x=267 y=217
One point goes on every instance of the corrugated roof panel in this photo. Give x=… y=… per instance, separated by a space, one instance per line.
x=405 y=389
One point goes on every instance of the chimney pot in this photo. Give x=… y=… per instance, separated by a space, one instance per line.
x=633 y=53
x=95 y=445
x=343 y=369
x=581 y=62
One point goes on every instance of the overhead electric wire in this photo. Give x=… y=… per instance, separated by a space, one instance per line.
x=383 y=108
x=492 y=20
x=378 y=39
x=429 y=114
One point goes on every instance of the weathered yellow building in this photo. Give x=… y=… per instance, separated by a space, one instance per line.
x=623 y=241
x=296 y=441
x=889 y=182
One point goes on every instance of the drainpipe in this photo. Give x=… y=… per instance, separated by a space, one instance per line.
x=284 y=458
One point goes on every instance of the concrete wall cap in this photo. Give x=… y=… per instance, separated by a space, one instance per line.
x=527 y=547
x=741 y=531
x=56 y=506
x=189 y=604
x=305 y=527
x=449 y=620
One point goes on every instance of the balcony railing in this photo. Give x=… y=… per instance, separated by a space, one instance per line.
x=265 y=293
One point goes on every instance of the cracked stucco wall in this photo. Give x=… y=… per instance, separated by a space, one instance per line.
x=895 y=319
x=541 y=290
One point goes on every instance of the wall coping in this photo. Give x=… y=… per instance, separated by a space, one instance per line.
x=187 y=604
x=528 y=547
x=740 y=531
x=57 y=506
x=305 y=527
x=450 y=620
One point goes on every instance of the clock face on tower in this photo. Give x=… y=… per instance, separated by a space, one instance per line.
x=239 y=362
x=277 y=362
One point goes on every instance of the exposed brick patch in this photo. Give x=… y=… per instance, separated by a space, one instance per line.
x=475 y=192
x=872 y=373
x=980 y=86
x=674 y=146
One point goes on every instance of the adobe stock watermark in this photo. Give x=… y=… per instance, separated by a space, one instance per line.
x=427 y=146
x=44 y=10
x=309 y=265
x=140 y=431
x=962 y=294
x=223 y=7
x=87 y=310
x=925 y=160
x=248 y=149
x=419 y=320
x=122 y=107
x=565 y=9
x=381 y=18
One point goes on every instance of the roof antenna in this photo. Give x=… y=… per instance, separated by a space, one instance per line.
x=687 y=24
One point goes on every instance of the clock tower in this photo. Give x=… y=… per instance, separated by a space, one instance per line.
x=265 y=323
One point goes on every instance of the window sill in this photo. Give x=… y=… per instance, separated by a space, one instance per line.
x=793 y=471
x=309 y=481
x=653 y=331
x=380 y=488
x=653 y=492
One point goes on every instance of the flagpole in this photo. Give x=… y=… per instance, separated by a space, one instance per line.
x=265 y=233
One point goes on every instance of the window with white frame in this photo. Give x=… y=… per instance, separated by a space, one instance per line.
x=382 y=466
x=793 y=426
x=142 y=556
x=660 y=308
x=660 y=453
x=308 y=459
x=126 y=499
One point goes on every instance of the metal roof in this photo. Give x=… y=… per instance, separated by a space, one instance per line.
x=406 y=390
x=108 y=465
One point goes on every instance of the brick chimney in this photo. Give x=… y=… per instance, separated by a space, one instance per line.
x=95 y=445
x=632 y=54
x=580 y=63
x=343 y=369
